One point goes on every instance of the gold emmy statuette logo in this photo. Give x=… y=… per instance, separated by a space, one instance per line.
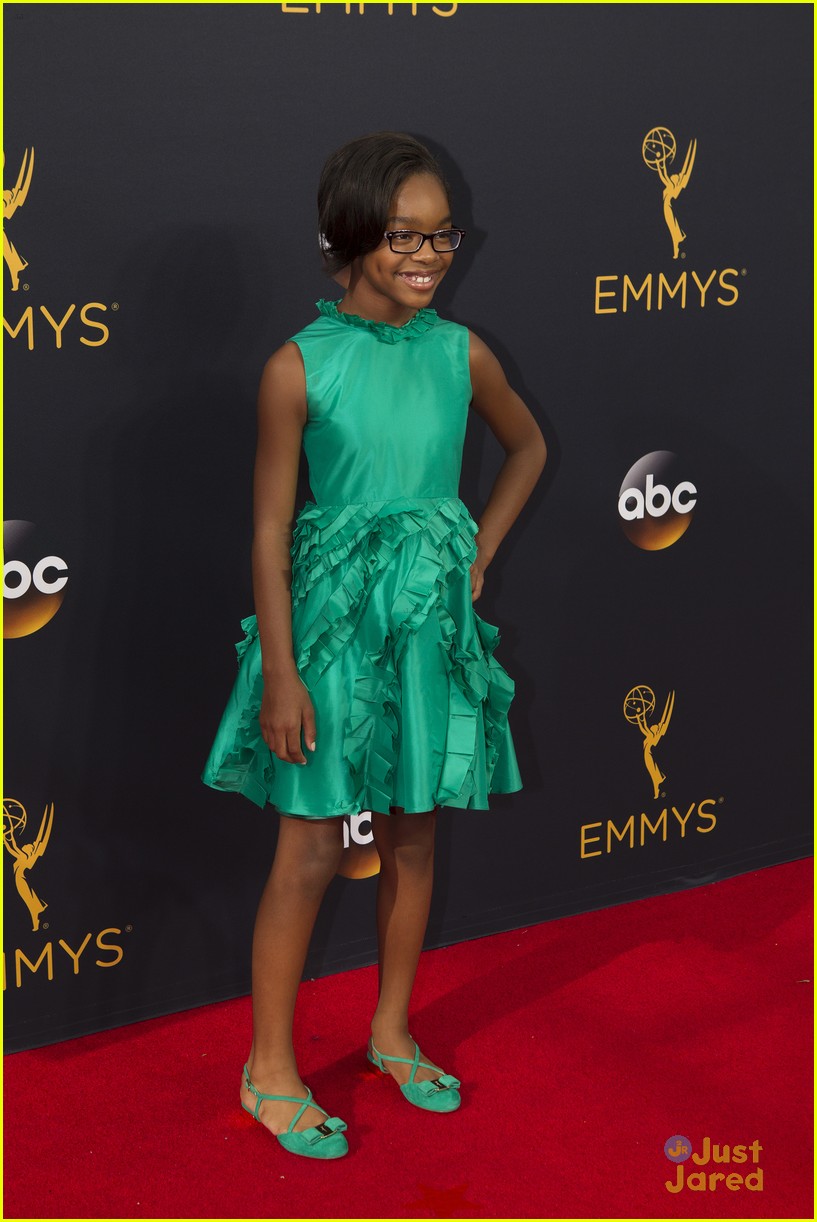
x=26 y=855
x=12 y=200
x=658 y=150
x=639 y=704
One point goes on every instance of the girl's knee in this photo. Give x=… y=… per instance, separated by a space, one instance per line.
x=413 y=858
x=315 y=876
x=308 y=856
x=406 y=842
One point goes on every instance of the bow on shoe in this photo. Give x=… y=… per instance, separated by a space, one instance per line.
x=445 y=1082
x=333 y=1124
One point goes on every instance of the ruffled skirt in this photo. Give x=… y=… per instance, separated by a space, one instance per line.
x=411 y=706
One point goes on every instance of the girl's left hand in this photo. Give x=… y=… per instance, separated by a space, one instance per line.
x=477 y=577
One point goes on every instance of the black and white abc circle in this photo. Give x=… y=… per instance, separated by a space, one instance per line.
x=34 y=578
x=359 y=858
x=656 y=501
x=357 y=829
x=48 y=576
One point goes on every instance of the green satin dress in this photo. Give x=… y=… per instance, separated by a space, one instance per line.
x=411 y=706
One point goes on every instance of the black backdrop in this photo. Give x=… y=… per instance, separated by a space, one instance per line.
x=171 y=204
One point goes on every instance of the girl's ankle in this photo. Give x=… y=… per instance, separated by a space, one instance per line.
x=272 y=1067
x=385 y=1033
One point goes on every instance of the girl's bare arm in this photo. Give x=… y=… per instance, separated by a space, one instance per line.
x=286 y=708
x=525 y=454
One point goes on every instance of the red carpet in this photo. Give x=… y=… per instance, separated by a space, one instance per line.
x=583 y=1045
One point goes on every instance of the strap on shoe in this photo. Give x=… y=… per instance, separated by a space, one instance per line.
x=380 y=1057
x=305 y=1103
x=446 y=1079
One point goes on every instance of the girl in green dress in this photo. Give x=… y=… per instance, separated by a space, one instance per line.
x=366 y=681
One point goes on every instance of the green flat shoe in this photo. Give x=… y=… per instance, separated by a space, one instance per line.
x=322 y=1141
x=437 y=1095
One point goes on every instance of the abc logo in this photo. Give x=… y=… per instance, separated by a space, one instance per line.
x=34 y=580
x=655 y=504
x=360 y=859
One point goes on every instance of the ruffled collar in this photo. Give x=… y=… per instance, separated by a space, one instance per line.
x=422 y=321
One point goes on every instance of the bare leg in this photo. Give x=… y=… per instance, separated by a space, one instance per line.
x=306 y=859
x=405 y=844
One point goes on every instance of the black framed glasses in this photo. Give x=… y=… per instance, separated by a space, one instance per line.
x=409 y=241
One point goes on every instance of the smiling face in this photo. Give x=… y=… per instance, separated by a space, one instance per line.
x=389 y=287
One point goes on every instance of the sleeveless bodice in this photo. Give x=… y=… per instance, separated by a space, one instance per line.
x=387 y=406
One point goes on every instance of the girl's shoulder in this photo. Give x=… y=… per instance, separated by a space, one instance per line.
x=321 y=325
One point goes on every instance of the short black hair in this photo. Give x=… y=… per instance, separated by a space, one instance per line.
x=358 y=183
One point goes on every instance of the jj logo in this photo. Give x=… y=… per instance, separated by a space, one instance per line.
x=677 y=1148
x=654 y=505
